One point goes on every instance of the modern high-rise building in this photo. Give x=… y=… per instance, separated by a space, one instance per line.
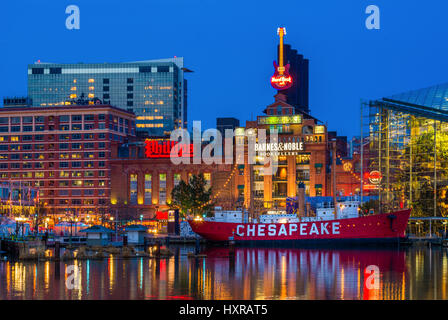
x=298 y=94
x=16 y=102
x=155 y=90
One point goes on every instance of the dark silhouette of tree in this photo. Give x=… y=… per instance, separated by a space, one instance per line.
x=192 y=197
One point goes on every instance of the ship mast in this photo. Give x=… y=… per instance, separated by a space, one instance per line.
x=334 y=179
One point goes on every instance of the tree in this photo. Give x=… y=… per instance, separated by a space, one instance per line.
x=39 y=214
x=193 y=197
x=421 y=157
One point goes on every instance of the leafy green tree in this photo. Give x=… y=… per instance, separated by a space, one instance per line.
x=422 y=159
x=192 y=197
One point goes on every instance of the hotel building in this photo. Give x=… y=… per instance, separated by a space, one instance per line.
x=154 y=90
x=64 y=153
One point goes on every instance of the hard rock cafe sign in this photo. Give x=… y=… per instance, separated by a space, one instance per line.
x=375 y=177
x=281 y=79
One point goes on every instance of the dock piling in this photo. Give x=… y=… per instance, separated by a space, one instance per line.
x=57 y=250
x=197 y=247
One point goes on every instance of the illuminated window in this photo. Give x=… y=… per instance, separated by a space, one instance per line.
x=73 y=96
x=208 y=180
x=91 y=88
x=64 y=174
x=133 y=189
x=39 y=175
x=177 y=179
x=73 y=88
x=148 y=188
x=162 y=188
x=91 y=95
x=77 y=183
x=14 y=138
x=91 y=80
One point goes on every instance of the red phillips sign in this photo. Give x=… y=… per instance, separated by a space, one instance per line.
x=164 y=149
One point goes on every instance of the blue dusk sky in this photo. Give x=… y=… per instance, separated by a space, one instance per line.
x=230 y=45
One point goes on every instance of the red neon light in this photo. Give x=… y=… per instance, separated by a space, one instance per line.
x=162 y=215
x=281 y=81
x=163 y=149
x=369 y=187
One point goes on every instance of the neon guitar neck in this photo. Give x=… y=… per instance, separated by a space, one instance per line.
x=281 y=32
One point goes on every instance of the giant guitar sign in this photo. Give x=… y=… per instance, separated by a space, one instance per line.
x=281 y=79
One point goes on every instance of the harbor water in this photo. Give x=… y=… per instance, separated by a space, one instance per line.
x=417 y=272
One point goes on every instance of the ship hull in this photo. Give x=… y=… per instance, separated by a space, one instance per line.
x=381 y=229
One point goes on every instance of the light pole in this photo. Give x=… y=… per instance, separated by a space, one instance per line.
x=111 y=221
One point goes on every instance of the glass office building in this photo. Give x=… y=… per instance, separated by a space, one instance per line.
x=407 y=144
x=155 y=90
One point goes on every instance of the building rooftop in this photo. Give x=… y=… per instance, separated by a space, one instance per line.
x=97 y=229
x=435 y=97
x=135 y=227
x=65 y=108
x=430 y=102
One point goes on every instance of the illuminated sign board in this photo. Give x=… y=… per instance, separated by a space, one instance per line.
x=319 y=129
x=163 y=149
x=375 y=177
x=296 y=119
x=281 y=79
x=370 y=187
x=278 y=148
x=281 y=82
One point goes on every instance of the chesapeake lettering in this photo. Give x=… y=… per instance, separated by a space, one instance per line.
x=287 y=229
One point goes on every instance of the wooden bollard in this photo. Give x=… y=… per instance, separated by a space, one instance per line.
x=157 y=250
x=196 y=247
x=232 y=249
x=57 y=250
x=57 y=269
x=232 y=257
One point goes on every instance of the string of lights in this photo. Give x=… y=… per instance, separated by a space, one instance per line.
x=229 y=178
x=351 y=168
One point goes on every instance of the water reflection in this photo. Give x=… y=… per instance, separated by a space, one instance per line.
x=253 y=273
